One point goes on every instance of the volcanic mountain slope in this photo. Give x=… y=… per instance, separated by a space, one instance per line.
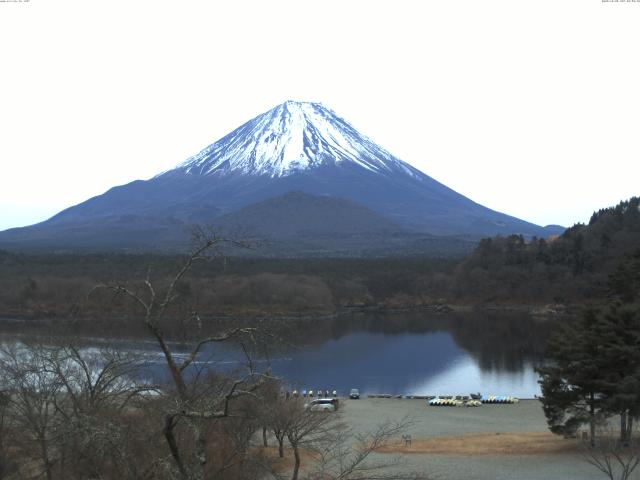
x=289 y=215
x=295 y=147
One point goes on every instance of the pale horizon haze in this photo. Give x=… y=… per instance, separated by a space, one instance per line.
x=531 y=108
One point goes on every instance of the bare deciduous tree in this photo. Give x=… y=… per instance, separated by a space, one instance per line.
x=194 y=403
x=67 y=405
x=32 y=394
x=6 y=464
x=333 y=451
x=617 y=459
x=347 y=455
x=304 y=429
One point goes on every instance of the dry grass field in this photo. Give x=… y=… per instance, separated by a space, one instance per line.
x=477 y=444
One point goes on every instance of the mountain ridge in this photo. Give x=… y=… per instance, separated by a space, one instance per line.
x=294 y=147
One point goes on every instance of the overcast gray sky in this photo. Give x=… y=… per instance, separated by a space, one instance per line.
x=528 y=107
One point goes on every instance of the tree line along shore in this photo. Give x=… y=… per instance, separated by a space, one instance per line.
x=502 y=272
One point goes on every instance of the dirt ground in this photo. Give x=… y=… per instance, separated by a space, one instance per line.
x=491 y=442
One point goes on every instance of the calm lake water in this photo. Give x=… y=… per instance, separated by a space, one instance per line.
x=421 y=354
x=418 y=354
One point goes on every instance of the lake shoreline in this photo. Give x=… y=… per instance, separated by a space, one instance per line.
x=538 y=311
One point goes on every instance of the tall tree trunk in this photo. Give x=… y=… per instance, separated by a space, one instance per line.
x=623 y=428
x=201 y=449
x=264 y=436
x=629 y=428
x=169 y=424
x=62 y=459
x=281 y=447
x=296 y=465
x=592 y=421
x=44 y=451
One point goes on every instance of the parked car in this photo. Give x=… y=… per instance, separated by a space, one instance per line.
x=354 y=394
x=322 y=405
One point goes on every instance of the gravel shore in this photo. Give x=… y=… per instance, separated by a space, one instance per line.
x=428 y=422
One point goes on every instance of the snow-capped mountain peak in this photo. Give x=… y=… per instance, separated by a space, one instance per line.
x=297 y=174
x=291 y=137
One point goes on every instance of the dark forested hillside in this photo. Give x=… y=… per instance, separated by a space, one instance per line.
x=571 y=267
x=48 y=286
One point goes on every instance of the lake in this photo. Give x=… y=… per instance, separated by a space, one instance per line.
x=402 y=353
x=419 y=354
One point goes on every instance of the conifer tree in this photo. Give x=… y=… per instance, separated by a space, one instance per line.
x=571 y=384
x=594 y=363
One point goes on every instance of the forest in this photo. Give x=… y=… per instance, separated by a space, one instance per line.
x=502 y=271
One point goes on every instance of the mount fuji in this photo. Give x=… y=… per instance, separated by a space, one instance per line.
x=297 y=171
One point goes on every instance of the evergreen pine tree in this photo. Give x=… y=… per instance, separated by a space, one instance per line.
x=571 y=384
x=594 y=363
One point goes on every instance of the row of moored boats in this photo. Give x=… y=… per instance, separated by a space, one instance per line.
x=470 y=402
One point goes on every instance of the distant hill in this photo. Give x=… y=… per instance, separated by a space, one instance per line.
x=574 y=265
x=298 y=224
x=297 y=214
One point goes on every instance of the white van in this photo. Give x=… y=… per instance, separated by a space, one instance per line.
x=322 y=405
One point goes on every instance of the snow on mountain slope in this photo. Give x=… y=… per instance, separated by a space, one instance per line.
x=292 y=137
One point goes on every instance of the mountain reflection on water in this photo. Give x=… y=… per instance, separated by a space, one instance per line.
x=421 y=354
x=400 y=353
